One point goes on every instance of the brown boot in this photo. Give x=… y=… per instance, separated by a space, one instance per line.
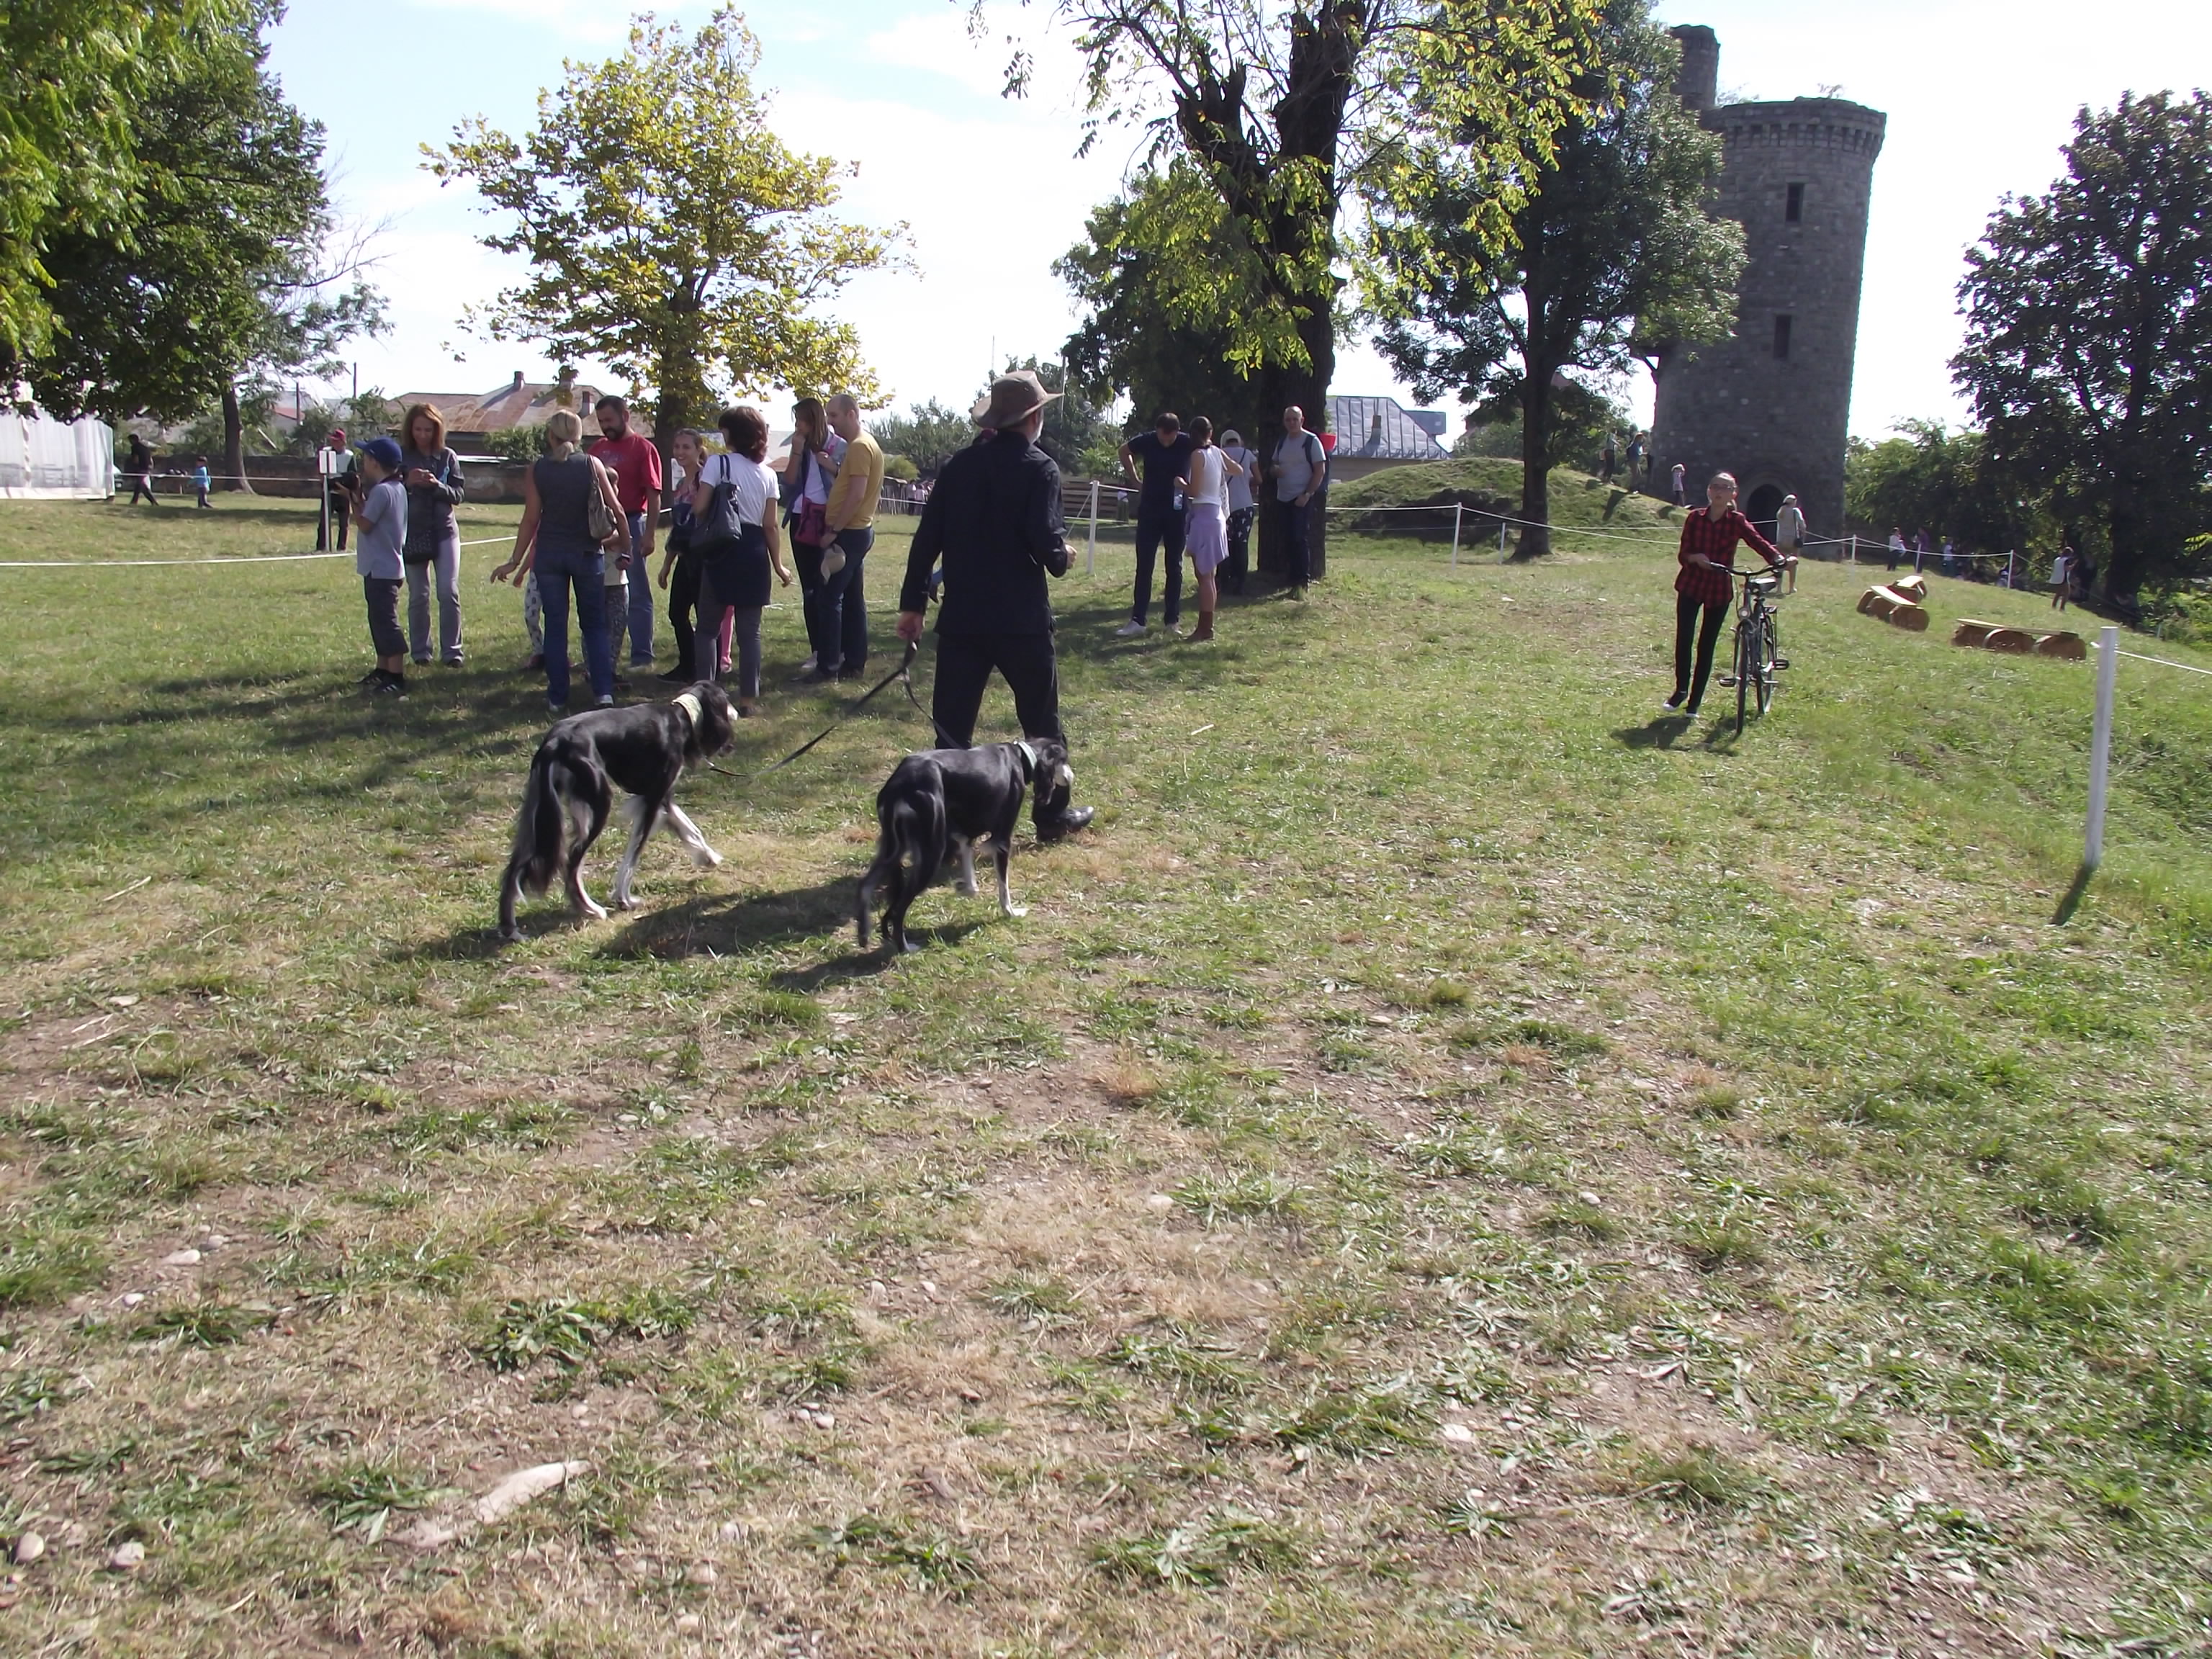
x=1205 y=628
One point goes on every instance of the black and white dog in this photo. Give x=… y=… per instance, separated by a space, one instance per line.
x=943 y=801
x=645 y=749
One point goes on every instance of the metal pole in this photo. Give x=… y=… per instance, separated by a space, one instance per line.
x=1090 y=553
x=1459 y=509
x=2101 y=744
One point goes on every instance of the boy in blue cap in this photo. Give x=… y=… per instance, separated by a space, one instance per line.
x=378 y=559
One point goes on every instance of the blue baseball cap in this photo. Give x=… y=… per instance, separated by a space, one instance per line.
x=385 y=452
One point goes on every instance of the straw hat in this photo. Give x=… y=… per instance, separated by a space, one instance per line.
x=1014 y=398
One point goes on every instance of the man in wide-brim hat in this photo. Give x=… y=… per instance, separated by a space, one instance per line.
x=994 y=519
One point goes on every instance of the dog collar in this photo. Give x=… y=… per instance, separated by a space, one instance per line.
x=688 y=702
x=1030 y=755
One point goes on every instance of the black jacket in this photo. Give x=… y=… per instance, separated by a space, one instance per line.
x=994 y=517
x=430 y=509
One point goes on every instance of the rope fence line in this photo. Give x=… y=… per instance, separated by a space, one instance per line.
x=2163 y=662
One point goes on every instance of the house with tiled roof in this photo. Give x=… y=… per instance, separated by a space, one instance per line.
x=471 y=417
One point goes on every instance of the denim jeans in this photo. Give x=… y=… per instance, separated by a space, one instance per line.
x=1156 y=528
x=856 y=544
x=557 y=573
x=641 y=596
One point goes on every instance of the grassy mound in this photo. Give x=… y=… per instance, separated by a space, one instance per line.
x=1488 y=485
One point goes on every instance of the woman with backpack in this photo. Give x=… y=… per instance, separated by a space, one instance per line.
x=435 y=486
x=734 y=536
x=570 y=518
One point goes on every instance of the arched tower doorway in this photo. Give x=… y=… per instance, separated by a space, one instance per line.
x=1763 y=507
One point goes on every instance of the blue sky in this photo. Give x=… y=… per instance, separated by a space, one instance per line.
x=1980 y=97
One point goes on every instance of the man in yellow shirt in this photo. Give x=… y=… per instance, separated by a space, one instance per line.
x=851 y=518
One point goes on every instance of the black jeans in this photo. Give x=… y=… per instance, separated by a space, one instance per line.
x=382 y=593
x=1239 y=562
x=964 y=662
x=1156 y=526
x=341 y=505
x=853 y=619
x=1686 y=606
x=806 y=565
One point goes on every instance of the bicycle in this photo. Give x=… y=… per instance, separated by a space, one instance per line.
x=1758 y=642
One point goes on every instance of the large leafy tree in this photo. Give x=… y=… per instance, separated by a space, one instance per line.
x=1611 y=245
x=670 y=233
x=1924 y=476
x=226 y=273
x=2088 y=350
x=71 y=75
x=1280 y=109
x=1160 y=298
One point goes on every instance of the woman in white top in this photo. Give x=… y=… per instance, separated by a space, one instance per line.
x=1206 y=523
x=733 y=569
x=1241 y=510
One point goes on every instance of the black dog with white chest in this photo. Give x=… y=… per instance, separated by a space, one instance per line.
x=943 y=801
x=645 y=749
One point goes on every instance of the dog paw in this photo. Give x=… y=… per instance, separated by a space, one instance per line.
x=706 y=859
x=965 y=889
x=1014 y=911
x=908 y=947
x=596 y=912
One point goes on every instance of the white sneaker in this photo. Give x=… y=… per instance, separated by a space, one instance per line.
x=606 y=702
x=1129 y=630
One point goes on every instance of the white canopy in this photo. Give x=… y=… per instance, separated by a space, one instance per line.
x=44 y=458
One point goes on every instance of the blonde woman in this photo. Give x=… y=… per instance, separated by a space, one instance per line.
x=432 y=473
x=555 y=543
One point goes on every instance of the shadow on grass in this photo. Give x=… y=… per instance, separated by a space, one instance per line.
x=1661 y=731
x=724 y=924
x=2072 y=901
x=856 y=963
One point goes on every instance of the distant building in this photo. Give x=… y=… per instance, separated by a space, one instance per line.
x=471 y=417
x=1374 y=433
x=1772 y=404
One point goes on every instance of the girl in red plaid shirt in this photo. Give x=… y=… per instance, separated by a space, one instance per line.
x=1709 y=535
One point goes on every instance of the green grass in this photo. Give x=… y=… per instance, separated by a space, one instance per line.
x=1452 y=1162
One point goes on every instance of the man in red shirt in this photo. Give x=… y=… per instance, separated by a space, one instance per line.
x=635 y=464
x=1709 y=535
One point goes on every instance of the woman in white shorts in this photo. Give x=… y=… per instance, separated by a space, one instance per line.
x=1206 y=523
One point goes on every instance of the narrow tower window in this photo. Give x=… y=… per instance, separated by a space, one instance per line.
x=1782 y=337
x=1794 y=209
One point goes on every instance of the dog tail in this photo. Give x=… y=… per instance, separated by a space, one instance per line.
x=541 y=830
x=908 y=853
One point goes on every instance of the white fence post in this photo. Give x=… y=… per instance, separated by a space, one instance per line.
x=1090 y=553
x=1501 y=538
x=2101 y=744
x=1458 y=509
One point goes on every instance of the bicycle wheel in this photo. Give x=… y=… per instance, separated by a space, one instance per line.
x=1765 y=652
x=1746 y=666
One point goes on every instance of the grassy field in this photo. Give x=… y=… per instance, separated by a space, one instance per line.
x=1452 y=1163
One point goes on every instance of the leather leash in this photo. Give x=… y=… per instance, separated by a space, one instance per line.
x=903 y=673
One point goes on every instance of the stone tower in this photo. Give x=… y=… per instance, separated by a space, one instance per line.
x=1772 y=404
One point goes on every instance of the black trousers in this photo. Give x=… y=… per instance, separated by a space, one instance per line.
x=1686 y=606
x=964 y=662
x=1156 y=528
x=1239 y=563
x=683 y=600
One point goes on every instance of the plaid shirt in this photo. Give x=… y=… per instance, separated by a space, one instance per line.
x=1717 y=539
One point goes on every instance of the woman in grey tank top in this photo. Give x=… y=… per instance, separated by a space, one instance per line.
x=555 y=541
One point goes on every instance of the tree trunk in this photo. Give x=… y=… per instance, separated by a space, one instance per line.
x=1281 y=387
x=1535 y=469
x=233 y=440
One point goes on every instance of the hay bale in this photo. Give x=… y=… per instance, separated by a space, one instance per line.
x=1972 y=631
x=1893 y=608
x=2070 y=648
x=1914 y=588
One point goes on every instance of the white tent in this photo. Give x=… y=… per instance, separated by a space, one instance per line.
x=42 y=459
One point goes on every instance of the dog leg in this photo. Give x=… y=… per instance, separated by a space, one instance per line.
x=688 y=832
x=966 y=884
x=644 y=817
x=1006 y=905
x=586 y=905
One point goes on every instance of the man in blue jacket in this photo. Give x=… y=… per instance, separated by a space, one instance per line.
x=995 y=518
